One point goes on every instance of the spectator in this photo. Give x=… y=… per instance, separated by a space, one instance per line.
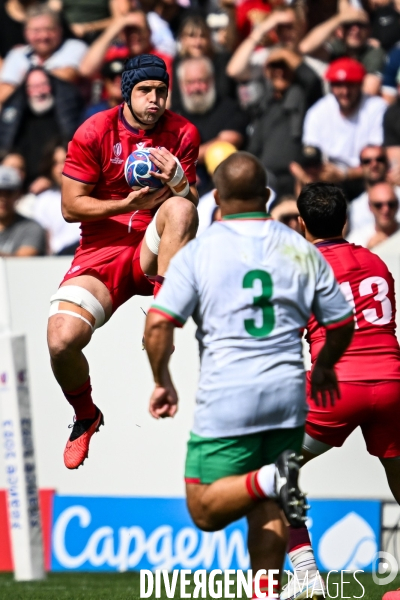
x=42 y=109
x=276 y=133
x=342 y=123
x=207 y=208
x=45 y=48
x=19 y=236
x=390 y=75
x=136 y=37
x=25 y=203
x=391 y=140
x=215 y=118
x=384 y=205
x=285 y=210
x=63 y=237
x=15 y=160
x=87 y=19
x=173 y=12
x=12 y=19
x=352 y=42
x=385 y=22
x=247 y=63
x=308 y=169
x=111 y=72
x=374 y=166
x=195 y=41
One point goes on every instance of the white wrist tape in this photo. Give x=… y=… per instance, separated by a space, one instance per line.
x=178 y=179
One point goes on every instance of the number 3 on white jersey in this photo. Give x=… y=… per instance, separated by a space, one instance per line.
x=365 y=288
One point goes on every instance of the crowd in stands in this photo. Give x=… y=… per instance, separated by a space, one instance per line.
x=310 y=87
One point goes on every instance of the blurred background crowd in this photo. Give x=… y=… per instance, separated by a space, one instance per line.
x=311 y=87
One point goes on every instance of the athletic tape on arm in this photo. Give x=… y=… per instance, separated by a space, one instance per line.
x=178 y=179
x=81 y=297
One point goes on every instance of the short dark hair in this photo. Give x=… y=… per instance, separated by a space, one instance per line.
x=323 y=208
x=241 y=176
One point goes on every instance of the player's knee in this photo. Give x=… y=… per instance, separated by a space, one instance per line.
x=202 y=515
x=205 y=522
x=63 y=338
x=182 y=213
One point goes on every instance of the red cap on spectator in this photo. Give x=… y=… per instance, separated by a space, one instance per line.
x=345 y=70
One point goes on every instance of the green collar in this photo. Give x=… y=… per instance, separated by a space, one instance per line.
x=259 y=216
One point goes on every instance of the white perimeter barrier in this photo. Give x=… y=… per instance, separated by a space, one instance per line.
x=18 y=450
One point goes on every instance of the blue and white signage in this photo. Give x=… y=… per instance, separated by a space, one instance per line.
x=120 y=534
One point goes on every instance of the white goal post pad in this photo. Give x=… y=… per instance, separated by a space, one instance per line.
x=19 y=458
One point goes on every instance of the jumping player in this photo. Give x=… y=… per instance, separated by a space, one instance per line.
x=368 y=372
x=124 y=237
x=250 y=408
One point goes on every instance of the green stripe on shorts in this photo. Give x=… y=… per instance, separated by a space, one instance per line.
x=209 y=459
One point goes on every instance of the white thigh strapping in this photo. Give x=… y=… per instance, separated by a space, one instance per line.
x=151 y=236
x=81 y=297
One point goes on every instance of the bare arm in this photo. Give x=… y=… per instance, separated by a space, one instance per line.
x=318 y=36
x=79 y=206
x=66 y=73
x=6 y=89
x=23 y=251
x=81 y=29
x=240 y=60
x=372 y=84
x=393 y=154
x=323 y=377
x=159 y=334
x=93 y=58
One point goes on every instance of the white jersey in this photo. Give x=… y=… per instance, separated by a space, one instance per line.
x=250 y=284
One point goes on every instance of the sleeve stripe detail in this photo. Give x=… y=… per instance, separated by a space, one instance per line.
x=80 y=180
x=176 y=320
x=344 y=321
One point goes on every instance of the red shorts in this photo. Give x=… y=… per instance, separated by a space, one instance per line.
x=110 y=251
x=374 y=406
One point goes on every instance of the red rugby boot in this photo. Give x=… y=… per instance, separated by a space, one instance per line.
x=77 y=448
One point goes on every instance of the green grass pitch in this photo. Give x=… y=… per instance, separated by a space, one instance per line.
x=125 y=586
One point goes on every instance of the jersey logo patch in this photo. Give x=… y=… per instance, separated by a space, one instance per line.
x=117 y=153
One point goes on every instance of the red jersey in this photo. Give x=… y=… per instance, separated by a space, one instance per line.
x=368 y=286
x=97 y=153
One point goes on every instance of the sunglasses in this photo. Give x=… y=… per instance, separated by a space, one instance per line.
x=390 y=203
x=359 y=24
x=379 y=159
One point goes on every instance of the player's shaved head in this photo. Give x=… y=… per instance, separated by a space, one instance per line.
x=241 y=177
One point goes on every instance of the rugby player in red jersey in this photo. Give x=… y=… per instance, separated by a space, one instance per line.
x=126 y=235
x=369 y=370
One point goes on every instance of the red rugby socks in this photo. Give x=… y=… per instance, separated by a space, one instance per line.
x=81 y=400
x=261 y=484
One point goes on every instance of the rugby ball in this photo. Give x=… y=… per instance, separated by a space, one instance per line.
x=137 y=170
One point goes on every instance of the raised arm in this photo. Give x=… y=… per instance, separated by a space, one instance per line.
x=240 y=60
x=318 y=36
x=93 y=59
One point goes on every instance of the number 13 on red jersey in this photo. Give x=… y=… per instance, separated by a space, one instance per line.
x=380 y=289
